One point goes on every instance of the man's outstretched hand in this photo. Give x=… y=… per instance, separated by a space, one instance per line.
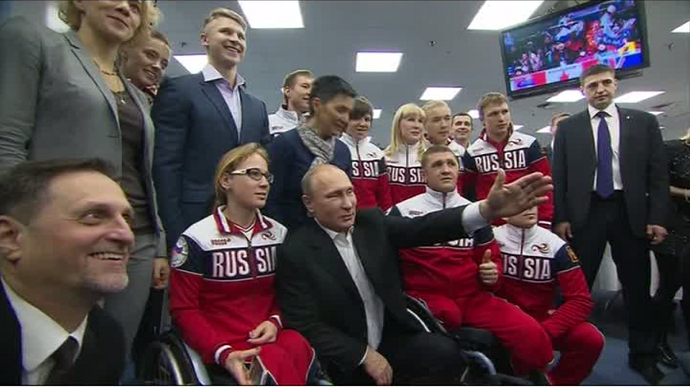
x=506 y=200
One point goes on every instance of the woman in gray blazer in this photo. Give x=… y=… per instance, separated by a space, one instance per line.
x=61 y=95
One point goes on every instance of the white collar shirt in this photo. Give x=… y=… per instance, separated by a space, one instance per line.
x=41 y=336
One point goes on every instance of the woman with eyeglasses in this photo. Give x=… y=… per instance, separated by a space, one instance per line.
x=222 y=295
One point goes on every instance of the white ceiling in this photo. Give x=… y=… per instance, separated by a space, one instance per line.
x=335 y=30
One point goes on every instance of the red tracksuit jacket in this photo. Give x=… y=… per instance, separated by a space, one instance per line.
x=450 y=268
x=535 y=262
x=222 y=284
x=369 y=174
x=405 y=173
x=518 y=156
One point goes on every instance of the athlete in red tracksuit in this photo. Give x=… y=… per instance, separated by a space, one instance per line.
x=518 y=155
x=222 y=288
x=535 y=263
x=452 y=277
x=369 y=173
x=405 y=172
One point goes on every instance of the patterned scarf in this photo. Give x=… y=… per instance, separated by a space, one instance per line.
x=323 y=150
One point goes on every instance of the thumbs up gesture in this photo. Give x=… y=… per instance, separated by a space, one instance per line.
x=488 y=271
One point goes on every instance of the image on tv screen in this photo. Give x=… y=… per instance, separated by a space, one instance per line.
x=557 y=49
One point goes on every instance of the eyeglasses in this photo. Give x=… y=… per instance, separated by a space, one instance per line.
x=254 y=174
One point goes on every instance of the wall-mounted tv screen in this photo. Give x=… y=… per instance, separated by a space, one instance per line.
x=550 y=52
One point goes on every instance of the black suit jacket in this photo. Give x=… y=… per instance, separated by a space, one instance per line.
x=318 y=297
x=642 y=165
x=194 y=128
x=100 y=362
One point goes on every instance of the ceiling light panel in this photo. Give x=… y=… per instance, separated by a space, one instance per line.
x=637 y=96
x=193 y=63
x=272 y=14
x=546 y=129
x=378 y=62
x=377 y=114
x=567 y=96
x=474 y=113
x=683 y=29
x=440 y=93
x=497 y=15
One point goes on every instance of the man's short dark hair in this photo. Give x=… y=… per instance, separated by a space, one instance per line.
x=24 y=188
x=559 y=115
x=435 y=149
x=361 y=108
x=596 y=70
x=463 y=114
x=328 y=87
x=290 y=79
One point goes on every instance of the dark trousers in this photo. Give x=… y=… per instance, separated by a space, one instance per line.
x=674 y=273
x=417 y=358
x=608 y=222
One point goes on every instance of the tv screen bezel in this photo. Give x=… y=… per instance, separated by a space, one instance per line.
x=557 y=86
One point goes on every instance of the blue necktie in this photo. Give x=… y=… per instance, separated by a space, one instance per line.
x=604 y=158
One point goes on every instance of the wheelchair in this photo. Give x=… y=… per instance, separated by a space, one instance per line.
x=169 y=361
x=488 y=363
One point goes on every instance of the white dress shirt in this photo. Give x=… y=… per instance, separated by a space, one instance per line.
x=472 y=220
x=613 y=122
x=373 y=306
x=41 y=336
x=231 y=95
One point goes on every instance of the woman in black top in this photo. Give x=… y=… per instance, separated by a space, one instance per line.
x=673 y=255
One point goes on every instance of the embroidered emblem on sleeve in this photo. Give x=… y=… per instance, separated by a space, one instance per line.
x=179 y=253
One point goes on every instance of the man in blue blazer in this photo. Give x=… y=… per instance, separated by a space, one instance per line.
x=198 y=118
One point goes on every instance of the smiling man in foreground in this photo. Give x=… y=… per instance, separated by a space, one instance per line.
x=64 y=244
x=338 y=280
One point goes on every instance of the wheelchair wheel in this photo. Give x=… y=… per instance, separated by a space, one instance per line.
x=165 y=365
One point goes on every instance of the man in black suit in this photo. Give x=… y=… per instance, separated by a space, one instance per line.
x=339 y=284
x=198 y=118
x=64 y=244
x=611 y=185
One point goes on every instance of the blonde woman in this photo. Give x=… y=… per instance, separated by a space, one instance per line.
x=222 y=293
x=62 y=96
x=404 y=153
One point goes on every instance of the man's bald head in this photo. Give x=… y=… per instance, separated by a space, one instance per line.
x=312 y=174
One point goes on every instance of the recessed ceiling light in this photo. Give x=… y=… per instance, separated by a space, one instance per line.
x=378 y=62
x=546 y=129
x=272 y=14
x=442 y=93
x=377 y=114
x=655 y=112
x=567 y=96
x=497 y=15
x=662 y=127
x=474 y=113
x=193 y=63
x=637 y=96
x=683 y=29
x=518 y=127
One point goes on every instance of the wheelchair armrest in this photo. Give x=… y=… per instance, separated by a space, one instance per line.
x=420 y=311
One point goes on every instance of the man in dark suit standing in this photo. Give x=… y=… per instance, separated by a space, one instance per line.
x=64 y=244
x=611 y=185
x=198 y=118
x=339 y=284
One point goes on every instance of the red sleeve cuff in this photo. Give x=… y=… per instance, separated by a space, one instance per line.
x=275 y=319
x=222 y=354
